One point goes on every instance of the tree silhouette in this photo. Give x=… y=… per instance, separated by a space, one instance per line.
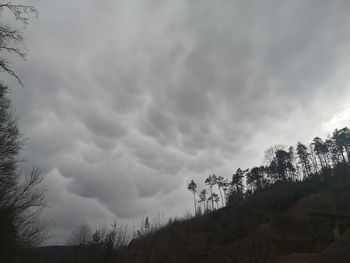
x=192 y=186
x=147 y=224
x=286 y=164
x=314 y=159
x=295 y=167
x=21 y=201
x=346 y=138
x=210 y=181
x=236 y=188
x=332 y=151
x=11 y=39
x=304 y=158
x=281 y=165
x=203 y=198
x=214 y=198
x=237 y=182
x=220 y=181
x=255 y=178
x=95 y=244
x=321 y=151
x=342 y=141
x=270 y=153
x=81 y=236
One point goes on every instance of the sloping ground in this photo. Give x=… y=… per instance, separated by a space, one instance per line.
x=322 y=202
x=249 y=234
x=337 y=252
x=282 y=235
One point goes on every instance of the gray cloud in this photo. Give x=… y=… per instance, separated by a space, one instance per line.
x=125 y=101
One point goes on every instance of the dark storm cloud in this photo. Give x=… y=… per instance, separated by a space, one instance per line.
x=125 y=101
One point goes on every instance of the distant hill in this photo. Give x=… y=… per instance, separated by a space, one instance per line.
x=53 y=251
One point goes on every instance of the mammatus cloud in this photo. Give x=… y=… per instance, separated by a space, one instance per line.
x=125 y=101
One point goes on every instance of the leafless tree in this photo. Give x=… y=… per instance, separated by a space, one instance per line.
x=270 y=153
x=21 y=197
x=11 y=38
x=80 y=236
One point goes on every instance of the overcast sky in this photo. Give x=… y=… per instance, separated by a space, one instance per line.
x=124 y=102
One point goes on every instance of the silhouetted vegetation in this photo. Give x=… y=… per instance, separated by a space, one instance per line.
x=21 y=199
x=11 y=38
x=286 y=165
x=273 y=213
x=269 y=210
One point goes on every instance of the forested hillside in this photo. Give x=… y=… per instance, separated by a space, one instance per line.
x=295 y=208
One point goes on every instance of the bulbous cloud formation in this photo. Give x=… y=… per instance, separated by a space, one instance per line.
x=126 y=101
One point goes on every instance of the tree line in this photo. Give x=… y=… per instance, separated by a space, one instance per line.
x=21 y=198
x=283 y=164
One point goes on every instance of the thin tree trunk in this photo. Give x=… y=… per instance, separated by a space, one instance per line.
x=342 y=154
x=195 y=205
x=307 y=168
x=212 y=201
x=347 y=153
x=321 y=161
x=222 y=200
x=325 y=160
